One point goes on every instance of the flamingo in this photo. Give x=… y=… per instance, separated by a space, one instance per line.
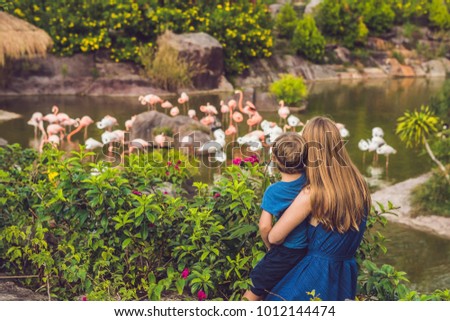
x=292 y=122
x=342 y=130
x=150 y=100
x=386 y=150
x=184 y=100
x=84 y=122
x=254 y=120
x=166 y=105
x=224 y=109
x=138 y=143
x=254 y=139
x=34 y=121
x=363 y=146
x=192 y=114
x=53 y=140
x=160 y=140
x=207 y=120
x=69 y=122
x=107 y=122
x=377 y=132
x=175 y=111
x=54 y=129
x=283 y=111
x=272 y=130
x=51 y=118
x=92 y=144
x=129 y=123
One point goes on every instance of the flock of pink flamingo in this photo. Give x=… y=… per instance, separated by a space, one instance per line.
x=232 y=114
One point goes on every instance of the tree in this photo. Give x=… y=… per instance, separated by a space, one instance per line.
x=415 y=128
x=286 y=21
x=308 y=41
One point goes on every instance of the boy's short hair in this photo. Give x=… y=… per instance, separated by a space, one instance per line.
x=289 y=153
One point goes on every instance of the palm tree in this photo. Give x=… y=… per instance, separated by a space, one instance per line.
x=415 y=128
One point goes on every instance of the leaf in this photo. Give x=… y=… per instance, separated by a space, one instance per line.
x=126 y=242
x=180 y=284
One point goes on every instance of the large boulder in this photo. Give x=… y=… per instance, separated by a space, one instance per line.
x=181 y=126
x=201 y=50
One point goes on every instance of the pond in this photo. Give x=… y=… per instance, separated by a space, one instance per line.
x=359 y=105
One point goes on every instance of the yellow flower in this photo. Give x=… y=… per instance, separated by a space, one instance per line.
x=37 y=19
x=52 y=175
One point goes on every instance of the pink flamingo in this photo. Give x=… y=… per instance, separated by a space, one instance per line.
x=160 y=140
x=207 y=120
x=166 y=105
x=107 y=122
x=54 y=129
x=137 y=144
x=192 y=114
x=255 y=119
x=224 y=109
x=52 y=118
x=129 y=123
x=84 y=122
x=184 y=100
x=92 y=144
x=175 y=111
x=150 y=100
x=283 y=111
x=34 y=121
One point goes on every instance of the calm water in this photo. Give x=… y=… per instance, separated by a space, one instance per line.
x=360 y=106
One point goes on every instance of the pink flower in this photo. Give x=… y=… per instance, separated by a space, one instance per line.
x=165 y=192
x=136 y=192
x=185 y=273
x=178 y=162
x=83 y=298
x=217 y=195
x=176 y=167
x=167 y=173
x=237 y=161
x=169 y=163
x=201 y=295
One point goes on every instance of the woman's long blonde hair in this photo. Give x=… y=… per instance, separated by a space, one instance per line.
x=340 y=196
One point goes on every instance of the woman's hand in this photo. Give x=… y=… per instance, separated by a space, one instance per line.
x=292 y=217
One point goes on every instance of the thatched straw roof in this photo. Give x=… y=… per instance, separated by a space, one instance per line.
x=19 y=39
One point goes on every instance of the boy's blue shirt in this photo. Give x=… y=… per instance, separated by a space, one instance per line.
x=277 y=198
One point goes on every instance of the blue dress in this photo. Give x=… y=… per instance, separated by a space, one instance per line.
x=329 y=268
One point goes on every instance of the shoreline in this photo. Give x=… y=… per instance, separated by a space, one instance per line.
x=400 y=194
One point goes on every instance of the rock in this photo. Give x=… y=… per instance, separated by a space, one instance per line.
x=202 y=50
x=7 y=115
x=434 y=68
x=343 y=54
x=374 y=73
x=395 y=69
x=9 y=291
x=180 y=125
x=3 y=142
x=274 y=9
x=224 y=85
x=446 y=64
x=377 y=44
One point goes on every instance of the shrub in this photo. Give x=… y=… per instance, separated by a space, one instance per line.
x=432 y=197
x=339 y=20
x=165 y=68
x=290 y=89
x=378 y=15
x=308 y=41
x=439 y=15
x=286 y=21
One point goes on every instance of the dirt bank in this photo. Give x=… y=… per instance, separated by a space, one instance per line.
x=399 y=195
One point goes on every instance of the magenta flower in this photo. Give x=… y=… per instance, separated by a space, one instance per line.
x=178 y=162
x=201 y=295
x=136 y=192
x=185 y=273
x=83 y=298
x=167 y=173
x=165 y=192
x=217 y=195
x=169 y=163
x=237 y=161
x=177 y=167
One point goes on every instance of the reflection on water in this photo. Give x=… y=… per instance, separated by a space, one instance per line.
x=424 y=257
x=360 y=106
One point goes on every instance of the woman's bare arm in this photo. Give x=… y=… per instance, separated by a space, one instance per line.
x=292 y=217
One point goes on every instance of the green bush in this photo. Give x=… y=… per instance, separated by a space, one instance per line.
x=340 y=20
x=378 y=15
x=290 y=89
x=439 y=14
x=121 y=27
x=286 y=21
x=432 y=197
x=308 y=41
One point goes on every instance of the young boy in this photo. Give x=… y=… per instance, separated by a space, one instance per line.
x=289 y=155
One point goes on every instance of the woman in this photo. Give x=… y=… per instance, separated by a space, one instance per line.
x=338 y=199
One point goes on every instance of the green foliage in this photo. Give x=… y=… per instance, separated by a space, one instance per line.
x=308 y=41
x=432 y=197
x=339 y=19
x=165 y=68
x=290 y=89
x=115 y=233
x=121 y=27
x=398 y=55
x=415 y=127
x=439 y=14
x=378 y=14
x=286 y=21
